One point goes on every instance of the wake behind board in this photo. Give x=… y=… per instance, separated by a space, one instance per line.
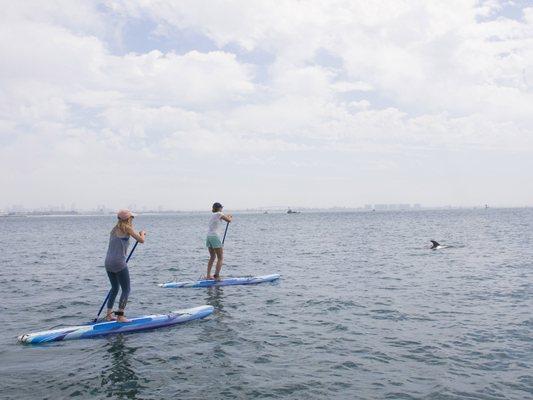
x=113 y=327
x=248 y=280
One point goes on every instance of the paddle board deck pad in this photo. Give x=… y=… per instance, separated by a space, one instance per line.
x=248 y=280
x=113 y=327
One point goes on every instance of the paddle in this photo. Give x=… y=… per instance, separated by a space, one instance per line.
x=108 y=293
x=226 y=231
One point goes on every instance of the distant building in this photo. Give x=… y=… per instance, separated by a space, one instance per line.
x=16 y=208
x=392 y=207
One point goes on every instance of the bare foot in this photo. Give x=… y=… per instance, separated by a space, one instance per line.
x=208 y=277
x=217 y=277
x=109 y=317
x=122 y=318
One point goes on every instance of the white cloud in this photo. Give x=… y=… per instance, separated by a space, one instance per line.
x=406 y=77
x=357 y=86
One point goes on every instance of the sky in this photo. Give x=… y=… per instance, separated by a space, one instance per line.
x=178 y=104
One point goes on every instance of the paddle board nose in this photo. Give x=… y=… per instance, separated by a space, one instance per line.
x=22 y=338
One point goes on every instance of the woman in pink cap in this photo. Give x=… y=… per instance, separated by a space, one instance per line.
x=115 y=262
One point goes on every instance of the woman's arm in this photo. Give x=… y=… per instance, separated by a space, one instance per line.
x=137 y=236
x=226 y=218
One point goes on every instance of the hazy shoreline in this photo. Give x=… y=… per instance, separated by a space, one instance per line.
x=246 y=211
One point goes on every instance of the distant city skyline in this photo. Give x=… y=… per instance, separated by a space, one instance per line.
x=102 y=209
x=303 y=104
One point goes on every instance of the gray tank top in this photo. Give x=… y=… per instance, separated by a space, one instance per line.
x=115 y=260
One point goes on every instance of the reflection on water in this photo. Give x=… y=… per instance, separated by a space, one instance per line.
x=222 y=330
x=215 y=295
x=119 y=377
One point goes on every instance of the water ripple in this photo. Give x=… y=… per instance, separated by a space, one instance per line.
x=364 y=310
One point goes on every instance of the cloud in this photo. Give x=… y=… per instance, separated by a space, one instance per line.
x=264 y=84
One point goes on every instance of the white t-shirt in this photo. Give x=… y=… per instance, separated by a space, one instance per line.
x=214 y=224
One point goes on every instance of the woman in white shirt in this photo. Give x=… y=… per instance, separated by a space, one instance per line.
x=213 y=242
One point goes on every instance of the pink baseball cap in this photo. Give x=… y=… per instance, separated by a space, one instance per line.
x=124 y=214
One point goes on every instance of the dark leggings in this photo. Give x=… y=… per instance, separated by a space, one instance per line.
x=121 y=278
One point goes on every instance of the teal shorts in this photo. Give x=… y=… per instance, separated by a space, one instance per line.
x=213 y=242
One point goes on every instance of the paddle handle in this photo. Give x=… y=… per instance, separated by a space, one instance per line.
x=109 y=293
x=226 y=231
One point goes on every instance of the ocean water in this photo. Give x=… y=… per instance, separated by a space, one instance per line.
x=364 y=310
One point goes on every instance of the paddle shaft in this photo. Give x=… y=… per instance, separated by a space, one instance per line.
x=109 y=293
x=226 y=231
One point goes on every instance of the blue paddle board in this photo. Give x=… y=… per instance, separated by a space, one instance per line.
x=113 y=327
x=248 y=280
